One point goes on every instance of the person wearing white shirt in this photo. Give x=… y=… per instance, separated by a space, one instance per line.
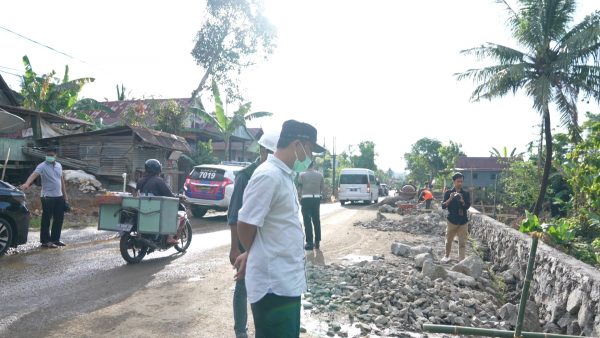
x=270 y=230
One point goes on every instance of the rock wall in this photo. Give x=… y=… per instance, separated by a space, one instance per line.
x=566 y=290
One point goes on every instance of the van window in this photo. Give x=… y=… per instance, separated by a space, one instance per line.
x=353 y=179
x=372 y=179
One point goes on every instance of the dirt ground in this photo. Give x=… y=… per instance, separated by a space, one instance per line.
x=201 y=307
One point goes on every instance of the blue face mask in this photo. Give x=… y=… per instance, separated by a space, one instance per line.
x=50 y=159
x=301 y=166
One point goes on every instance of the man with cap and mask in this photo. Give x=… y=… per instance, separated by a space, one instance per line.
x=268 y=145
x=270 y=230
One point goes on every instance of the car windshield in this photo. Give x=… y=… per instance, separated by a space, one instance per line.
x=353 y=179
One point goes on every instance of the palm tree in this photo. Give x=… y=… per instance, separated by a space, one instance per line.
x=557 y=64
x=226 y=125
x=504 y=153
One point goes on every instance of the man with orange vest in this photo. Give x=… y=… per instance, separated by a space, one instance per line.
x=426 y=196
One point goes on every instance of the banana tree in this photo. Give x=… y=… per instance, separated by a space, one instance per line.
x=49 y=94
x=226 y=125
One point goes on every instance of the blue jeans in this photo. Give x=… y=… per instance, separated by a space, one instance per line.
x=240 y=309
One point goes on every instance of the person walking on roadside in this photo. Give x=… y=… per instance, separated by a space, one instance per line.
x=270 y=230
x=54 y=198
x=426 y=196
x=458 y=202
x=311 y=185
x=268 y=145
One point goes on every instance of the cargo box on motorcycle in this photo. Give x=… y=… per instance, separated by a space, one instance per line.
x=152 y=214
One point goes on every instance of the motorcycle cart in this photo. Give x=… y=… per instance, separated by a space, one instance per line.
x=144 y=223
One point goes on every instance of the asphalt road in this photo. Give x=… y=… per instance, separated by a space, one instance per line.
x=42 y=287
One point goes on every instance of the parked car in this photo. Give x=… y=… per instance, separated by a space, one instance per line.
x=14 y=217
x=384 y=190
x=209 y=187
x=358 y=184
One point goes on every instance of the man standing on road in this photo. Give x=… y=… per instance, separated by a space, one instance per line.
x=311 y=189
x=54 y=198
x=270 y=230
x=268 y=145
x=457 y=201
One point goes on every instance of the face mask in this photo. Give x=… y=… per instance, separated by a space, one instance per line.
x=301 y=166
x=50 y=159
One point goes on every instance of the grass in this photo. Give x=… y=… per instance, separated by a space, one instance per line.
x=71 y=221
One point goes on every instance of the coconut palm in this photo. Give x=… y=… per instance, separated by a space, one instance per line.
x=557 y=64
x=226 y=125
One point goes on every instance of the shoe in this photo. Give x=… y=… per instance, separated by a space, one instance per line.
x=49 y=245
x=317 y=246
x=445 y=259
x=308 y=246
x=59 y=243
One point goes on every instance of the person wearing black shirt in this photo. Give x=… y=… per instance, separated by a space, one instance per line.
x=457 y=201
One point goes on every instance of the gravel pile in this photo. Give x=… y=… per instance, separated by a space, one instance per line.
x=433 y=223
x=391 y=297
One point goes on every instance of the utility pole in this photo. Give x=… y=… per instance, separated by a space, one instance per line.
x=333 y=175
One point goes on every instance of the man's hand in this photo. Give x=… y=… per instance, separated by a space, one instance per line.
x=234 y=253
x=24 y=186
x=240 y=265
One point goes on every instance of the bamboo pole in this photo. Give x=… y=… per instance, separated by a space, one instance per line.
x=526 y=284
x=457 y=330
x=5 y=164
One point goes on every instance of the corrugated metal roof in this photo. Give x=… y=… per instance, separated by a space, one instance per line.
x=52 y=118
x=154 y=137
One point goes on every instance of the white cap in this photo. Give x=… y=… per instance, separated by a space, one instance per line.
x=269 y=140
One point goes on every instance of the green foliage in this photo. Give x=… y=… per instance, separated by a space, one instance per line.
x=50 y=94
x=366 y=156
x=530 y=224
x=204 y=153
x=518 y=184
x=170 y=117
x=429 y=156
x=235 y=34
x=558 y=63
x=135 y=115
x=561 y=232
x=226 y=125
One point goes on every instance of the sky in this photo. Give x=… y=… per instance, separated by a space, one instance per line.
x=375 y=70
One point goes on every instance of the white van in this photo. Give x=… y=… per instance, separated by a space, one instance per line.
x=357 y=184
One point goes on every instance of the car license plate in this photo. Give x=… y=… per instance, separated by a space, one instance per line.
x=124 y=226
x=354 y=189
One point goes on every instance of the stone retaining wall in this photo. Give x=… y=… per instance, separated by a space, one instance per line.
x=566 y=290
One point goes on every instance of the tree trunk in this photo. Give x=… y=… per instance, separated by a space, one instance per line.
x=547 y=163
x=202 y=82
x=227 y=149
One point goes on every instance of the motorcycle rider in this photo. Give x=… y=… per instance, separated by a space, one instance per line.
x=151 y=184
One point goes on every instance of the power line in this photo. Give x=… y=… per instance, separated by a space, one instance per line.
x=10 y=73
x=16 y=70
x=41 y=44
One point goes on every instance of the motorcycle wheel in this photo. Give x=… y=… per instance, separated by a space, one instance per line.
x=185 y=239
x=129 y=251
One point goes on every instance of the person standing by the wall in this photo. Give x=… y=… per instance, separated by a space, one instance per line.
x=458 y=202
x=311 y=184
x=54 y=198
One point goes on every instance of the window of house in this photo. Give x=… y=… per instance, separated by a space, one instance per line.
x=493 y=176
x=475 y=176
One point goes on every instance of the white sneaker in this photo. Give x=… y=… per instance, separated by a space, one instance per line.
x=445 y=259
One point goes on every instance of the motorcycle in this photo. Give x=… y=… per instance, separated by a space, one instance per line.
x=134 y=246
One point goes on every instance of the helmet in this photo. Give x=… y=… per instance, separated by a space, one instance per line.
x=152 y=166
x=269 y=140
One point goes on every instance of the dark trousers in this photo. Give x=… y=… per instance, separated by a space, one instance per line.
x=53 y=208
x=277 y=316
x=427 y=204
x=311 y=212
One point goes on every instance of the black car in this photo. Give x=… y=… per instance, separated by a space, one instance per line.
x=14 y=217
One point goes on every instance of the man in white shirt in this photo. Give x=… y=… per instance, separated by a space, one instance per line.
x=270 y=230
